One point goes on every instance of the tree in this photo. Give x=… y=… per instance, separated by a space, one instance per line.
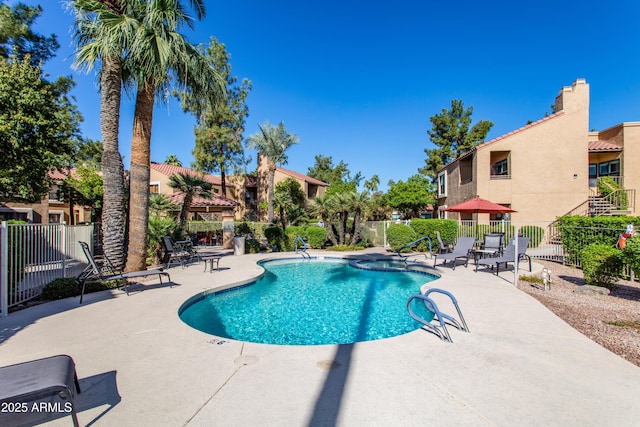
x=17 y=36
x=289 y=199
x=172 y=159
x=452 y=136
x=219 y=129
x=323 y=207
x=117 y=34
x=272 y=142
x=411 y=196
x=84 y=188
x=371 y=185
x=191 y=186
x=338 y=177
x=101 y=34
x=359 y=204
x=37 y=126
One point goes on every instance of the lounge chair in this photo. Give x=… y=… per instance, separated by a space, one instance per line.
x=31 y=381
x=508 y=256
x=107 y=272
x=443 y=248
x=174 y=253
x=460 y=250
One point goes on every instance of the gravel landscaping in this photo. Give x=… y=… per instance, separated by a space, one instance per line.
x=613 y=320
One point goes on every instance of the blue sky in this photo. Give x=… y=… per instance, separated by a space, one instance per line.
x=359 y=80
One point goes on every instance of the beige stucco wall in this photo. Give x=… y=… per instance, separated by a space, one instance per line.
x=631 y=155
x=548 y=164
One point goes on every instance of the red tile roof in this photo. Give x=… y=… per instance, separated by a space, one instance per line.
x=215 y=200
x=302 y=177
x=169 y=170
x=603 y=146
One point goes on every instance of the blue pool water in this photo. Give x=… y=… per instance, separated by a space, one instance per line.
x=310 y=302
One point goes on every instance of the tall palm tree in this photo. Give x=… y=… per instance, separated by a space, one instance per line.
x=191 y=186
x=272 y=142
x=99 y=42
x=160 y=56
x=105 y=31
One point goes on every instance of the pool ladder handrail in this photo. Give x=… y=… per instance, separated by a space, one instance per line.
x=405 y=258
x=303 y=251
x=439 y=329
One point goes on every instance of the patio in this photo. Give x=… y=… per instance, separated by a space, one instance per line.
x=139 y=365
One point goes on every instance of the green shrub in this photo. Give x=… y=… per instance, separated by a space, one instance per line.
x=578 y=231
x=243 y=229
x=631 y=254
x=290 y=234
x=252 y=246
x=345 y=248
x=68 y=287
x=534 y=233
x=448 y=229
x=276 y=238
x=607 y=186
x=601 y=265
x=316 y=236
x=399 y=235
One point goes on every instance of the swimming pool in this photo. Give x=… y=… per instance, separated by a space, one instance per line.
x=310 y=302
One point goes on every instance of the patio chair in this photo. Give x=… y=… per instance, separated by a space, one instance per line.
x=107 y=272
x=443 y=247
x=39 y=379
x=460 y=251
x=174 y=252
x=508 y=256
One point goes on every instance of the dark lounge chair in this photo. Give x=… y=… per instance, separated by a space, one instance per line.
x=25 y=383
x=460 y=251
x=107 y=272
x=508 y=256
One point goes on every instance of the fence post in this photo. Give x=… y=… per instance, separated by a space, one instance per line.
x=63 y=246
x=4 y=270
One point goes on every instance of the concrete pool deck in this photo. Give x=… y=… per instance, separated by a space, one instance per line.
x=139 y=365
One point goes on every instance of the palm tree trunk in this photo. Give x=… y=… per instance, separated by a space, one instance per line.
x=357 y=225
x=328 y=225
x=113 y=210
x=140 y=159
x=186 y=204
x=270 y=195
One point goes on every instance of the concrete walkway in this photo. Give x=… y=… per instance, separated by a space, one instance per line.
x=139 y=365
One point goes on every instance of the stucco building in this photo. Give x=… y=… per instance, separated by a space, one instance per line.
x=548 y=168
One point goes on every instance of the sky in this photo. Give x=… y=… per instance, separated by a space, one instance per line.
x=359 y=80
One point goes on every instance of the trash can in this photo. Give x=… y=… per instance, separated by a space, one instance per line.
x=238 y=245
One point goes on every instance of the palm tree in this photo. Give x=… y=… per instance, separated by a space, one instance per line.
x=359 y=203
x=173 y=160
x=101 y=42
x=323 y=207
x=160 y=55
x=106 y=33
x=191 y=186
x=272 y=142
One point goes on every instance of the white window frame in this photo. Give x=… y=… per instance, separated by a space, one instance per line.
x=152 y=183
x=443 y=176
x=28 y=211
x=61 y=213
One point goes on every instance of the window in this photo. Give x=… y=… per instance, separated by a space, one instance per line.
x=55 y=217
x=23 y=214
x=154 y=187
x=611 y=168
x=593 y=170
x=442 y=184
x=500 y=165
x=53 y=192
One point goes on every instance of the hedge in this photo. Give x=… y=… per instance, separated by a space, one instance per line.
x=578 y=231
x=448 y=229
x=399 y=235
x=601 y=265
x=631 y=254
